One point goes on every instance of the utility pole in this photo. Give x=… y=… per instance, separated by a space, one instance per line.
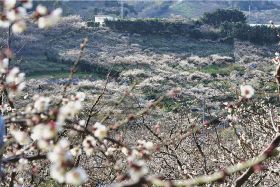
x=249 y=13
x=122 y=9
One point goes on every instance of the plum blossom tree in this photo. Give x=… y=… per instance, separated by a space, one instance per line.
x=54 y=136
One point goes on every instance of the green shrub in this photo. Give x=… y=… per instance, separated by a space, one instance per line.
x=220 y=16
x=236 y=30
x=232 y=25
x=262 y=35
x=150 y=26
x=93 y=24
x=256 y=34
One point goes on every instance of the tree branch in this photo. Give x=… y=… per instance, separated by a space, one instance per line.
x=217 y=175
x=265 y=154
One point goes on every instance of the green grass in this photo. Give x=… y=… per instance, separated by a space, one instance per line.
x=170 y=105
x=61 y=74
x=270 y=86
x=184 y=45
x=49 y=183
x=40 y=67
x=222 y=70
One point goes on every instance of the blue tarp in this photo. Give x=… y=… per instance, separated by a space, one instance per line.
x=2 y=134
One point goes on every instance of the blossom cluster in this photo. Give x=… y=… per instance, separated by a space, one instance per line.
x=44 y=120
x=136 y=158
x=62 y=162
x=246 y=92
x=12 y=79
x=15 y=15
x=70 y=107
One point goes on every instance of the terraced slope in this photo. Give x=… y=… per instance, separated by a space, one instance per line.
x=203 y=70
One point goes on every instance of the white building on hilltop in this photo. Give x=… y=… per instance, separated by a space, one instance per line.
x=101 y=18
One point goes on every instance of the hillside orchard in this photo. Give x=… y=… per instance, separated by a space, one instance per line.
x=102 y=133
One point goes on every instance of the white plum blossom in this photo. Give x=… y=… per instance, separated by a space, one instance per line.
x=21 y=137
x=4 y=64
x=41 y=103
x=57 y=173
x=137 y=170
x=149 y=145
x=43 y=144
x=50 y=20
x=43 y=131
x=133 y=155
x=14 y=76
x=82 y=123
x=88 y=145
x=76 y=176
x=42 y=10
x=76 y=151
x=19 y=27
x=12 y=15
x=80 y=96
x=247 y=91
x=125 y=151
x=110 y=151
x=68 y=111
x=16 y=14
x=145 y=144
x=22 y=164
x=100 y=131
x=9 y=4
x=59 y=157
x=28 y=4
x=15 y=81
x=60 y=152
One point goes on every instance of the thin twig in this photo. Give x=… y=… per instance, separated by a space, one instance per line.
x=267 y=153
x=73 y=69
